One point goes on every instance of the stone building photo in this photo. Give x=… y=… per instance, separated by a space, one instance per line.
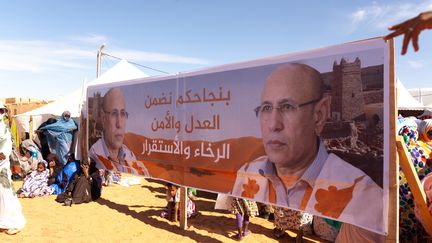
x=355 y=128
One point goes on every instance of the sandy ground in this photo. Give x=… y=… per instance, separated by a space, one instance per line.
x=129 y=214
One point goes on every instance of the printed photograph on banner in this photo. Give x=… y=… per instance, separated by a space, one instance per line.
x=305 y=131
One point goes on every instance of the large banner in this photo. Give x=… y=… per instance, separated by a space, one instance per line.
x=307 y=131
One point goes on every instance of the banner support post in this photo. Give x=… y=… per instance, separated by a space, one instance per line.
x=183 y=207
x=393 y=202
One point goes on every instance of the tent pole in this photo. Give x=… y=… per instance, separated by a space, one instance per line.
x=98 y=60
x=31 y=127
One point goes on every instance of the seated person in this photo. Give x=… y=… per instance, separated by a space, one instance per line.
x=31 y=156
x=110 y=177
x=55 y=168
x=35 y=184
x=64 y=177
x=85 y=186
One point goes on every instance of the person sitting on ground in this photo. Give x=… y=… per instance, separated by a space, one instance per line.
x=55 y=168
x=35 y=184
x=15 y=161
x=84 y=188
x=110 y=177
x=243 y=210
x=65 y=177
x=31 y=156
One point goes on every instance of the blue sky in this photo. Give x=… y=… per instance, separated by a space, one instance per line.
x=48 y=48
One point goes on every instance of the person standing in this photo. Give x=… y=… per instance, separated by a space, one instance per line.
x=11 y=218
x=60 y=136
x=243 y=209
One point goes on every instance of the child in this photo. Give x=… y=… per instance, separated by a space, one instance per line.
x=192 y=210
x=35 y=184
x=243 y=209
x=173 y=200
x=173 y=206
x=110 y=177
x=55 y=167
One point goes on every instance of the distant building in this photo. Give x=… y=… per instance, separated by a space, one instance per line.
x=18 y=105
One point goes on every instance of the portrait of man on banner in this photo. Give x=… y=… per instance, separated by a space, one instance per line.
x=306 y=131
x=109 y=151
x=297 y=171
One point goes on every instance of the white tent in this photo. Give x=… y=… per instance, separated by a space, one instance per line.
x=72 y=102
x=405 y=99
x=423 y=95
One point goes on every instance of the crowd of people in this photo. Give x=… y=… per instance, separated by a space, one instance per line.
x=46 y=168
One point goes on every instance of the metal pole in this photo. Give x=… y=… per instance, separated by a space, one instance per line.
x=98 y=60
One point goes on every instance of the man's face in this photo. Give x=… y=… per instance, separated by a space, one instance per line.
x=114 y=119
x=288 y=135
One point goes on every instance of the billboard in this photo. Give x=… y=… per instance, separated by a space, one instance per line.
x=307 y=130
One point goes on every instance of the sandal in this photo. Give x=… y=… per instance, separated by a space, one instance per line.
x=12 y=231
x=68 y=202
x=238 y=237
x=279 y=233
x=247 y=233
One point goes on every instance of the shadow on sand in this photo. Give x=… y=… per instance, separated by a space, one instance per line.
x=147 y=218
